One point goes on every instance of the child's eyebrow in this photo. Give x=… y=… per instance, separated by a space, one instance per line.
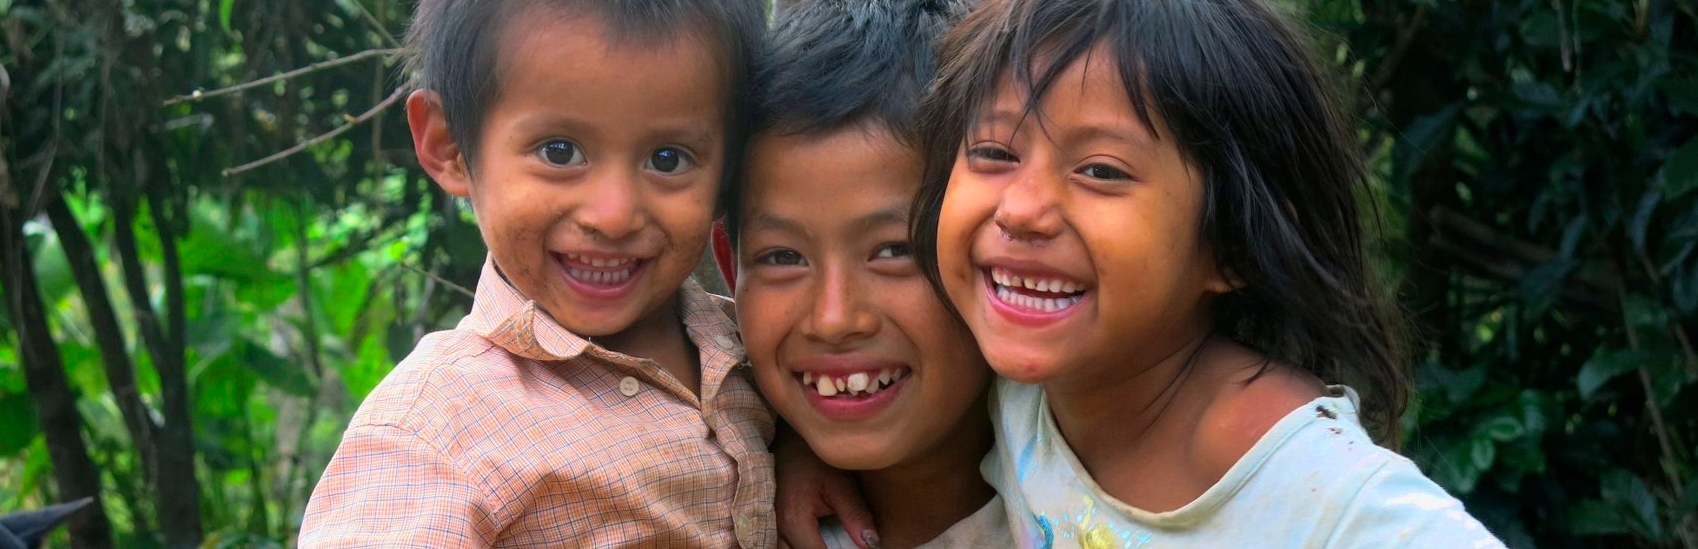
x=764 y=221
x=891 y=215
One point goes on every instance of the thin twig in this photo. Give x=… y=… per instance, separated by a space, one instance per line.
x=198 y=95
x=433 y=276
x=1389 y=63
x=377 y=25
x=326 y=136
x=1670 y=461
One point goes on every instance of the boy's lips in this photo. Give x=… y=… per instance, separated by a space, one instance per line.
x=847 y=389
x=601 y=276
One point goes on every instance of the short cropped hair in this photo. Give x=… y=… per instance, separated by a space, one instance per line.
x=452 y=48
x=836 y=64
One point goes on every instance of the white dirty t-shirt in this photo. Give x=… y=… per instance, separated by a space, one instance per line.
x=987 y=527
x=1315 y=480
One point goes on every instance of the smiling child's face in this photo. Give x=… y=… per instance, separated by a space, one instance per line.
x=601 y=159
x=1068 y=239
x=848 y=342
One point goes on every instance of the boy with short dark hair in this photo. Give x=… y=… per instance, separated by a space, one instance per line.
x=848 y=342
x=593 y=396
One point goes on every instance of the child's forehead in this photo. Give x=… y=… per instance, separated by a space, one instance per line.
x=528 y=25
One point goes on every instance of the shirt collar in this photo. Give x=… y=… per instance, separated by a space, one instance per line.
x=518 y=324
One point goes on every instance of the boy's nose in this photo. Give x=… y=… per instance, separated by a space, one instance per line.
x=614 y=208
x=840 y=313
x=1029 y=208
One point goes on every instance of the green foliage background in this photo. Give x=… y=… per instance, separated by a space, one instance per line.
x=186 y=341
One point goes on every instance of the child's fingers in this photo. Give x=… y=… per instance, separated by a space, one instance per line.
x=844 y=500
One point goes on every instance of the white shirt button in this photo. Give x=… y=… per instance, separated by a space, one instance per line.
x=629 y=386
x=723 y=342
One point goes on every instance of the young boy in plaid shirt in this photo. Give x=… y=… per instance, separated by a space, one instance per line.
x=594 y=395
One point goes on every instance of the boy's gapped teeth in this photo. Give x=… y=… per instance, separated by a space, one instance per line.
x=855 y=384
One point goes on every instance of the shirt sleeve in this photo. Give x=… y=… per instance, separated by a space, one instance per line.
x=387 y=487
x=1400 y=507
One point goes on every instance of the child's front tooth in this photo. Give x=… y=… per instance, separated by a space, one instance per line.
x=857 y=382
x=826 y=388
x=807 y=378
x=841 y=384
x=872 y=388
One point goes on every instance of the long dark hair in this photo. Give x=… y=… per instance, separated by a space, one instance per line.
x=1250 y=107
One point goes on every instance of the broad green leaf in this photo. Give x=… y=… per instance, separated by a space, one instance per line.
x=1501 y=429
x=1595 y=518
x=276 y=371
x=1607 y=365
x=1630 y=497
x=18 y=426
x=1482 y=453
x=1680 y=171
x=1682 y=94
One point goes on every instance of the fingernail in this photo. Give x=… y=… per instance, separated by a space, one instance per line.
x=871 y=538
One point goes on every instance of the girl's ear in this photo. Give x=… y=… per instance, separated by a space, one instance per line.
x=438 y=153
x=1223 y=281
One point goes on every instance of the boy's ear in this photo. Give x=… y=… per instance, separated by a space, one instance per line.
x=438 y=153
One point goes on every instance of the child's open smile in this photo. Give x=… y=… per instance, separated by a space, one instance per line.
x=848 y=342
x=597 y=172
x=1069 y=234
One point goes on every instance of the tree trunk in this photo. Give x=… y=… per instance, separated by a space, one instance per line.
x=55 y=402
x=177 y=490
x=109 y=337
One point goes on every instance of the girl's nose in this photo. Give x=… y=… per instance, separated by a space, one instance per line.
x=1029 y=208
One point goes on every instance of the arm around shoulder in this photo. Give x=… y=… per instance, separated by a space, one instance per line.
x=388 y=487
x=1400 y=507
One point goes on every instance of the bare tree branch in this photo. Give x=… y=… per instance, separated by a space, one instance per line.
x=199 y=95
x=355 y=121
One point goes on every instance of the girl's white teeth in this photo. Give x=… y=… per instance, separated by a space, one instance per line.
x=1048 y=305
x=856 y=384
x=1047 y=285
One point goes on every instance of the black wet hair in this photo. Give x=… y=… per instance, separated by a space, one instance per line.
x=835 y=64
x=1238 y=88
x=452 y=49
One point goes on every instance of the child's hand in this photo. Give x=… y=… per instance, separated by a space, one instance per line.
x=809 y=489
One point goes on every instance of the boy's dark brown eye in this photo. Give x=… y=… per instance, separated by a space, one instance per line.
x=668 y=160
x=560 y=152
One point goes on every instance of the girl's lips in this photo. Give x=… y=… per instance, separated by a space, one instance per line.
x=600 y=278
x=1028 y=307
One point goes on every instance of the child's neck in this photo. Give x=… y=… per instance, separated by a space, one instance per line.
x=918 y=499
x=660 y=336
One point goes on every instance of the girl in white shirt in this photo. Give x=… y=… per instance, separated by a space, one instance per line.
x=1147 y=213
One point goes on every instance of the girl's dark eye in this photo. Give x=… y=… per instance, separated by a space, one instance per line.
x=782 y=258
x=894 y=250
x=669 y=160
x=1099 y=171
x=994 y=154
x=560 y=152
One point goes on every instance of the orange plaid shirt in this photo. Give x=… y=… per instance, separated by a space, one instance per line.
x=509 y=431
